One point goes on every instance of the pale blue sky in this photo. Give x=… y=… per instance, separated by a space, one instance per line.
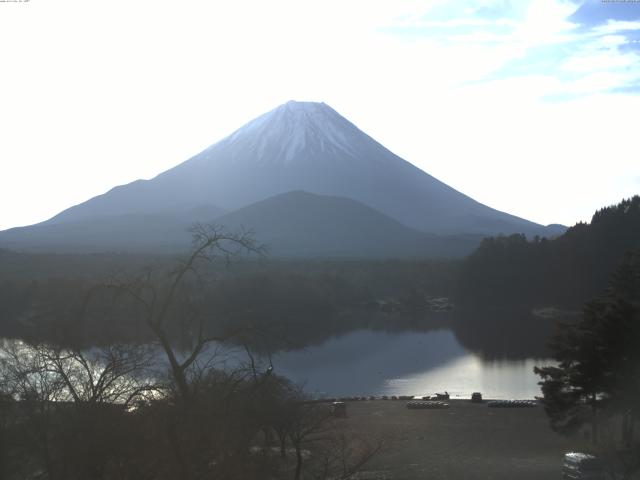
x=530 y=107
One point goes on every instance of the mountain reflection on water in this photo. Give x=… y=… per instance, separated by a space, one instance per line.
x=366 y=362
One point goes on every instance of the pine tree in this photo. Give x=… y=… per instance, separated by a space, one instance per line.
x=598 y=371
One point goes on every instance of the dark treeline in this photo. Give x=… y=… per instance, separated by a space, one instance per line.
x=294 y=302
x=564 y=271
x=506 y=283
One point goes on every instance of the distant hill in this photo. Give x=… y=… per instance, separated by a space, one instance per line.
x=567 y=270
x=304 y=224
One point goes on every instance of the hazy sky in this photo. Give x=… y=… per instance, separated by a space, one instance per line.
x=530 y=107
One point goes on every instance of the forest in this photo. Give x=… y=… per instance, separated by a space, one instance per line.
x=308 y=299
x=565 y=271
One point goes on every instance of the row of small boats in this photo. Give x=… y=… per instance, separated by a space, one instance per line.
x=426 y=404
x=431 y=404
x=512 y=403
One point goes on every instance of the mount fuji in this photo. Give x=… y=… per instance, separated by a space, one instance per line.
x=298 y=146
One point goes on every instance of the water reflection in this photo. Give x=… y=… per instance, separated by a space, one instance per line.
x=408 y=363
x=374 y=362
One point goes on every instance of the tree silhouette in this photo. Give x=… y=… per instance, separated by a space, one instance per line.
x=598 y=371
x=158 y=293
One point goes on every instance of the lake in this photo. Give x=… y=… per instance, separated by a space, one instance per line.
x=366 y=362
x=376 y=362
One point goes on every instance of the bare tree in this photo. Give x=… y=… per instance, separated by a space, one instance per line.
x=72 y=402
x=342 y=456
x=171 y=304
x=24 y=374
x=204 y=423
x=158 y=295
x=324 y=448
x=114 y=374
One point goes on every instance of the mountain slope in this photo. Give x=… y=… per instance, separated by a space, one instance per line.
x=305 y=146
x=132 y=232
x=291 y=224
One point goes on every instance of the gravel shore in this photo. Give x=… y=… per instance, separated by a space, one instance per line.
x=467 y=441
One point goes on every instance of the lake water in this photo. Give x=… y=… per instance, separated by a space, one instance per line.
x=374 y=362
x=368 y=362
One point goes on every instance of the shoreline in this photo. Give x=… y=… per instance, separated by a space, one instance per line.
x=407 y=398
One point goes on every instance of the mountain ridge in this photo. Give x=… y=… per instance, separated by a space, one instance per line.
x=296 y=147
x=293 y=224
x=306 y=146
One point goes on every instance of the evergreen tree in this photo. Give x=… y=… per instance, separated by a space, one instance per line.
x=563 y=271
x=598 y=371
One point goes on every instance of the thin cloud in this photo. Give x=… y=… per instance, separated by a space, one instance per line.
x=615 y=26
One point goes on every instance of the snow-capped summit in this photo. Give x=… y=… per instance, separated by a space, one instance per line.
x=304 y=146
x=294 y=127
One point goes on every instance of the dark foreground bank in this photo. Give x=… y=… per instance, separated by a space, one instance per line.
x=466 y=441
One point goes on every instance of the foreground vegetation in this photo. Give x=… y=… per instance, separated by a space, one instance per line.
x=128 y=412
x=596 y=382
x=66 y=414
